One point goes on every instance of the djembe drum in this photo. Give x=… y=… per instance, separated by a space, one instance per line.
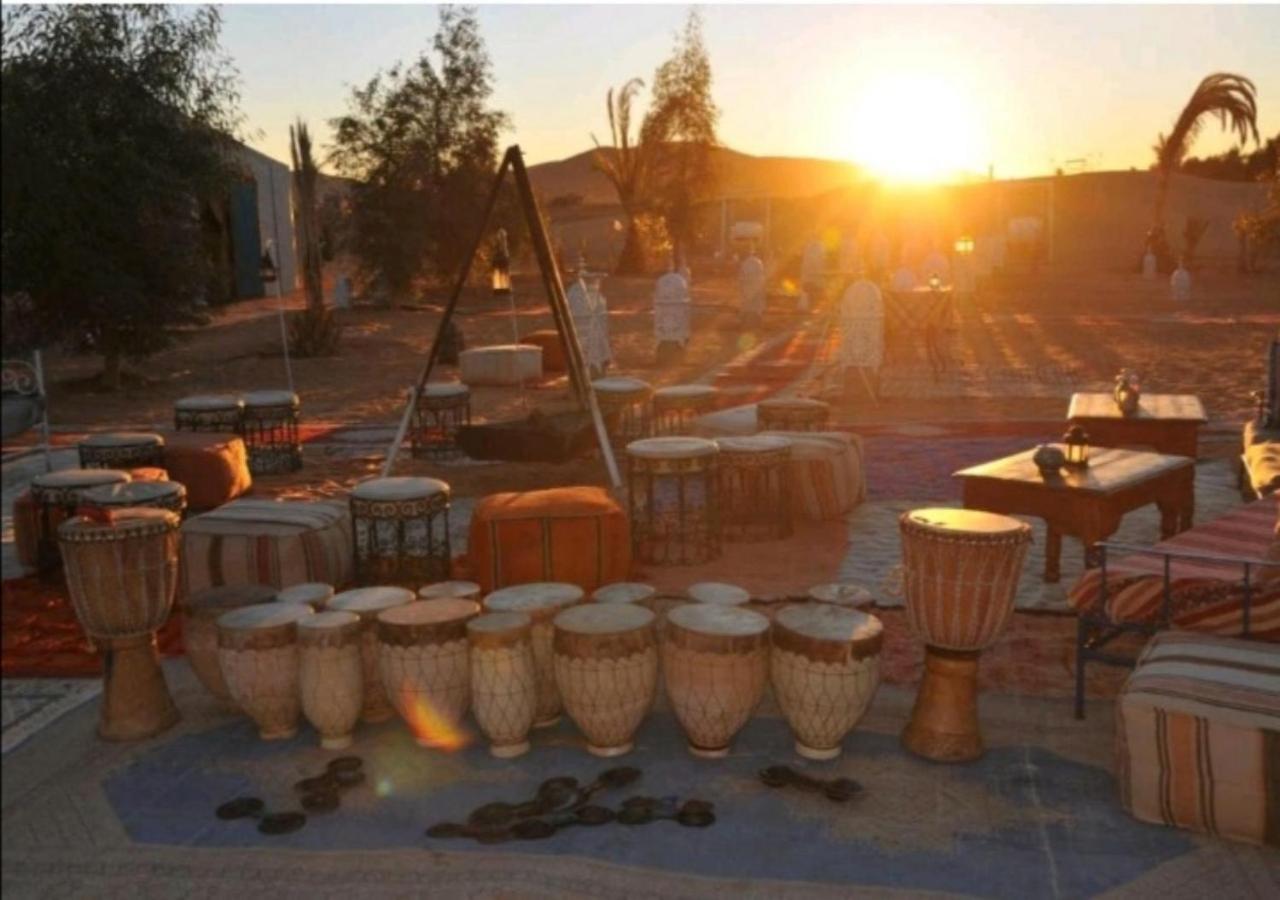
x=624 y=403
x=400 y=527
x=961 y=571
x=170 y=495
x=209 y=412
x=718 y=593
x=504 y=690
x=367 y=603
x=443 y=407
x=121 y=574
x=824 y=667
x=792 y=414
x=673 y=500
x=331 y=675
x=754 y=484
x=270 y=430
x=200 y=613
x=624 y=592
x=715 y=662
x=542 y=601
x=315 y=594
x=122 y=450
x=56 y=496
x=465 y=590
x=841 y=594
x=675 y=408
x=606 y=664
x=258 y=653
x=425 y=667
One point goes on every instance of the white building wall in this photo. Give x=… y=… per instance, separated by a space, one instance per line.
x=275 y=212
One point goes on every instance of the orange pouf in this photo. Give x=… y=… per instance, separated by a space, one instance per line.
x=552 y=353
x=575 y=534
x=149 y=473
x=213 y=467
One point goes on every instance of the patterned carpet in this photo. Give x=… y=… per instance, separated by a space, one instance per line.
x=31 y=704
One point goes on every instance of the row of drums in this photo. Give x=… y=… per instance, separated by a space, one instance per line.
x=528 y=654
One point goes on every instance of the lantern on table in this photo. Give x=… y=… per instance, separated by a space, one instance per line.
x=1076 y=442
x=1127 y=391
x=501 y=265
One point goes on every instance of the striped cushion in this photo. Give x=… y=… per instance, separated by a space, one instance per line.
x=1198 y=736
x=1205 y=596
x=826 y=473
x=274 y=542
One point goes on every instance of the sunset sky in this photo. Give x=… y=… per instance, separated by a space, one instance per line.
x=913 y=92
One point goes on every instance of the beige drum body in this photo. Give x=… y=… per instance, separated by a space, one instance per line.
x=315 y=594
x=606 y=665
x=715 y=661
x=504 y=690
x=331 y=675
x=121 y=577
x=960 y=571
x=258 y=652
x=463 y=590
x=825 y=667
x=718 y=593
x=542 y=601
x=200 y=614
x=424 y=666
x=624 y=592
x=367 y=603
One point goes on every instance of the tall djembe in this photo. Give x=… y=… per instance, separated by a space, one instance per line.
x=121 y=570
x=961 y=571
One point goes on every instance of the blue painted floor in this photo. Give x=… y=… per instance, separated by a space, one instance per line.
x=1022 y=822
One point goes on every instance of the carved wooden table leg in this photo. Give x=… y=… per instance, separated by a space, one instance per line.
x=944 y=720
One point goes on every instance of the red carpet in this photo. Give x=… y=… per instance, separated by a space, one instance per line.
x=42 y=639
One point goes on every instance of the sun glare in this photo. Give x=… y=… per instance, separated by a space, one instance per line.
x=914 y=127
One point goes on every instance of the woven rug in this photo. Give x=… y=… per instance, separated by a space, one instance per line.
x=32 y=704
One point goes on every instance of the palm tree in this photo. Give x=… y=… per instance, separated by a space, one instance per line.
x=316 y=331
x=626 y=165
x=1230 y=98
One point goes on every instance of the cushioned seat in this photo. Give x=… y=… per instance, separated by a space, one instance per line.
x=401 y=487
x=121 y=450
x=273 y=542
x=1198 y=736
x=827 y=478
x=213 y=467
x=578 y=535
x=504 y=364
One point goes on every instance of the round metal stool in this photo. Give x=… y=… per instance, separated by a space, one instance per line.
x=755 y=488
x=676 y=407
x=169 y=495
x=209 y=412
x=624 y=404
x=401 y=531
x=672 y=488
x=271 y=432
x=443 y=407
x=792 y=414
x=122 y=450
x=56 y=496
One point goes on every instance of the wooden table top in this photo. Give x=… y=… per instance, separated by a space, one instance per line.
x=1164 y=407
x=1109 y=470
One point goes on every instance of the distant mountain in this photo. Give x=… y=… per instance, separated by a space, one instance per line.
x=739 y=175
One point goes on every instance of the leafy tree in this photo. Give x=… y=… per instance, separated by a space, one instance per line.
x=1236 y=166
x=115 y=131
x=422 y=142
x=682 y=123
x=626 y=163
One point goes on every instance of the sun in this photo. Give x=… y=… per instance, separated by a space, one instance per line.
x=914 y=127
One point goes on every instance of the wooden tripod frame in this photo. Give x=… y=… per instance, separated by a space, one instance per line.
x=579 y=379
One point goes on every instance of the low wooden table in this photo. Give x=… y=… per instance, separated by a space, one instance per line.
x=1087 y=503
x=1167 y=423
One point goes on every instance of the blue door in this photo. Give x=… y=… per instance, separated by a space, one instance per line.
x=246 y=241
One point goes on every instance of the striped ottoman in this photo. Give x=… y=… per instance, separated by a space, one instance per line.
x=274 y=542
x=1198 y=736
x=827 y=480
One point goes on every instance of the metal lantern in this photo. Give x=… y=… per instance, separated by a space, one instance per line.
x=501 y=264
x=964 y=245
x=935 y=283
x=1076 y=442
x=267 y=266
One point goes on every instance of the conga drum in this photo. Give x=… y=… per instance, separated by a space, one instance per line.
x=258 y=652
x=315 y=594
x=673 y=500
x=331 y=675
x=542 y=601
x=715 y=661
x=170 y=495
x=624 y=592
x=960 y=577
x=200 y=613
x=606 y=664
x=465 y=590
x=367 y=603
x=824 y=667
x=718 y=593
x=425 y=667
x=121 y=575
x=504 y=690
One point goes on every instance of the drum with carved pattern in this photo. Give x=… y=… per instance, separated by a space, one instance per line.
x=200 y=613
x=367 y=603
x=331 y=675
x=542 y=601
x=258 y=652
x=504 y=690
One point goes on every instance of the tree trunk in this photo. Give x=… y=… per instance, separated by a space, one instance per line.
x=631 y=259
x=111 y=367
